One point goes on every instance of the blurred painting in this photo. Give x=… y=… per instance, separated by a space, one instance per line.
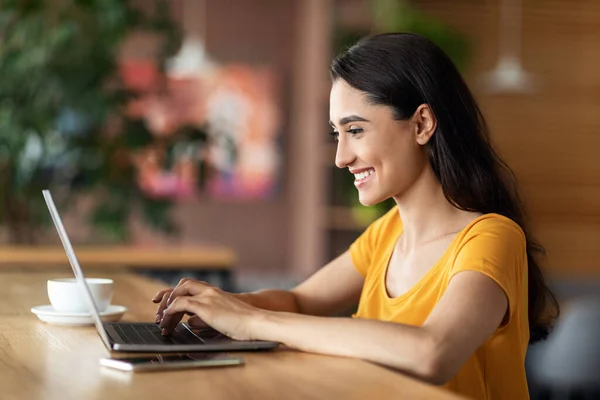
x=234 y=111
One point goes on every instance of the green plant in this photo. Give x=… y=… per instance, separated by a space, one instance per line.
x=63 y=120
x=403 y=16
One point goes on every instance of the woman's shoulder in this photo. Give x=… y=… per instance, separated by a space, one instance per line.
x=495 y=227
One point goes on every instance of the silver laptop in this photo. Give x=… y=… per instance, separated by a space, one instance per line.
x=146 y=336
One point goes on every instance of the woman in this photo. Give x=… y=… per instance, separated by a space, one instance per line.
x=447 y=282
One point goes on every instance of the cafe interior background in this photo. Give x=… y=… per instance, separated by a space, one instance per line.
x=185 y=123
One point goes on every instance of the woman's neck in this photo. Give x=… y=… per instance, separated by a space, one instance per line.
x=426 y=213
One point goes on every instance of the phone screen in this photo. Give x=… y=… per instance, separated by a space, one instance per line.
x=171 y=361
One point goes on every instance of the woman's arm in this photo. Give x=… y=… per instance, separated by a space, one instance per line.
x=333 y=289
x=470 y=310
x=468 y=313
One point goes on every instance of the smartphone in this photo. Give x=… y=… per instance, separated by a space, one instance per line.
x=171 y=362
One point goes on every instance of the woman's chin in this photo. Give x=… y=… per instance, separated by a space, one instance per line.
x=367 y=200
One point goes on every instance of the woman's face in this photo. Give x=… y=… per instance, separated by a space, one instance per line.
x=385 y=155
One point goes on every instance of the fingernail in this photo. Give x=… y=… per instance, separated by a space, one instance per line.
x=157 y=318
x=163 y=332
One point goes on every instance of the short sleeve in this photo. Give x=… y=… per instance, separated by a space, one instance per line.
x=496 y=247
x=363 y=248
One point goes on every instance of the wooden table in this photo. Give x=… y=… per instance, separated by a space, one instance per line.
x=214 y=259
x=39 y=360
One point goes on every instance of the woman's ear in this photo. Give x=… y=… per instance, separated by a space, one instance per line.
x=425 y=123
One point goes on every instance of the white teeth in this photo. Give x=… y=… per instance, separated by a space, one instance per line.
x=363 y=175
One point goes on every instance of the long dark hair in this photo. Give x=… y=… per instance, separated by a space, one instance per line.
x=403 y=71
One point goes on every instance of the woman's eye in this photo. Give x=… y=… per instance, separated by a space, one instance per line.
x=335 y=135
x=354 y=131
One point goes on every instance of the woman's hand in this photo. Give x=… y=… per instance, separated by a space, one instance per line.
x=162 y=297
x=208 y=305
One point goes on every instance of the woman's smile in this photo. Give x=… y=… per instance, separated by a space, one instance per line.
x=362 y=176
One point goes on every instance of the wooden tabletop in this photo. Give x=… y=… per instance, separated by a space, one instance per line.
x=39 y=360
x=190 y=257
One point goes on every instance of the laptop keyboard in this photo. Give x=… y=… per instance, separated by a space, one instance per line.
x=149 y=333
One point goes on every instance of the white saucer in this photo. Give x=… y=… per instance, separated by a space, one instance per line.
x=47 y=314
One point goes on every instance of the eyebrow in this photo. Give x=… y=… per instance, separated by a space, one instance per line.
x=350 y=118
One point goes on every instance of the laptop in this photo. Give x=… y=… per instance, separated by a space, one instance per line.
x=146 y=336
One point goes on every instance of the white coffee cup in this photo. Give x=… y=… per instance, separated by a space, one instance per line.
x=66 y=295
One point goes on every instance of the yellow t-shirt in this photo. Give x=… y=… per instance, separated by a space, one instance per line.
x=493 y=245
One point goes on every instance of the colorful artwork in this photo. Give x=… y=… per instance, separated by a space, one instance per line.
x=233 y=107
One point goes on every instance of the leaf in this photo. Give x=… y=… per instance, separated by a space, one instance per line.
x=136 y=134
x=156 y=214
x=62 y=57
x=111 y=215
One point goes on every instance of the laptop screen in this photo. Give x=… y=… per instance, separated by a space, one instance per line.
x=64 y=238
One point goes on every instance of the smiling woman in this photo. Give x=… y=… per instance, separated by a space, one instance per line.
x=382 y=160
x=447 y=282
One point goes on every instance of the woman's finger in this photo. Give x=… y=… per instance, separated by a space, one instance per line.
x=161 y=308
x=181 y=282
x=159 y=296
x=168 y=297
x=188 y=288
x=173 y=314
x=172 y=324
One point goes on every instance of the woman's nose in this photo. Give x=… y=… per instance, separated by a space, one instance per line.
x=343 y=155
